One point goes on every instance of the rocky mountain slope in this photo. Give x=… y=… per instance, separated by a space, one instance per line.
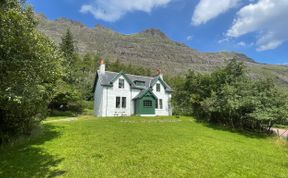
x=151 y=48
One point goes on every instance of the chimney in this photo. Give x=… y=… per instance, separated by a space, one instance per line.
x=102 y=66
x=159 y=73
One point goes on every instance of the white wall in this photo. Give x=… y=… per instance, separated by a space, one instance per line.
x=98 y=99
x=162 y=94
x=105 y=99
x=109 y=98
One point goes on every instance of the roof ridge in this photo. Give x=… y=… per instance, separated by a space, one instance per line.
x=150 y=77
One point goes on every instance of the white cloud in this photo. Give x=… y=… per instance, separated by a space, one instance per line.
x=224 y=40
x=209 y=9
x=189 y=38
x=241 y=43
x=267 y=17
x=244 y=44
x=113 y=10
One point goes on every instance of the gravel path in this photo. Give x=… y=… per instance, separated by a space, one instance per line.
x=69 y=119
x=281 y=132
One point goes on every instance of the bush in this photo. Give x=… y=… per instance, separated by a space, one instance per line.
x=66 y=99
x=29 y=69
x=229 y=97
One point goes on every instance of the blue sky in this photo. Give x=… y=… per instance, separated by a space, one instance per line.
x=257 y=28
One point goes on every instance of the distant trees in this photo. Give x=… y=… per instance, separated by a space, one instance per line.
x=228 y=96
x=29 y=67
x=67 y=96
x=117 y=66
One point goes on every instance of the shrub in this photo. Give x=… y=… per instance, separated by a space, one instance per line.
x=29 y=69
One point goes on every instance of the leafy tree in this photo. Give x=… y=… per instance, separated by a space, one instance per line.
x=67 y=93
x=29 y=66
x=228 y=96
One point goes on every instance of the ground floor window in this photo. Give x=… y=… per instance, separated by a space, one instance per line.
x=156 y=104
x=161 y=103
x=123 y=102
x=120 y=102
x=147 y=103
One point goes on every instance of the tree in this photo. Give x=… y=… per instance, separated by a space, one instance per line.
x=229 y=97
x=68 y=96
x=71 y=60
x=29 y=66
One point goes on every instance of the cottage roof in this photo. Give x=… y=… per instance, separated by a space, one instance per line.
x=108 y=78
x=143 y=93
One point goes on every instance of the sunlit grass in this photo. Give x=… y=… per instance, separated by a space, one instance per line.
x=144 y=147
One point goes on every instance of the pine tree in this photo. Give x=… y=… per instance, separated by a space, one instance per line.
x=71 y=58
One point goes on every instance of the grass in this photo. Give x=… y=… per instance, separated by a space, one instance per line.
x=143 y=147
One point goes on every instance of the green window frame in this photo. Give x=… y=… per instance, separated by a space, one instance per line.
x=147 y=103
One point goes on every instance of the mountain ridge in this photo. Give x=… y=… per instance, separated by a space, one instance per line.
x=151 y=48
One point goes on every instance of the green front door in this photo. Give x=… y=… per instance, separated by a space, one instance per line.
x=145 y=105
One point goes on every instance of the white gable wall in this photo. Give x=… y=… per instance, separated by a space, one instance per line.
x=109 y=98
x=162 y=94
x=98 y=98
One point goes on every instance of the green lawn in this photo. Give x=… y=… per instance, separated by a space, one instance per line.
x=143 y=147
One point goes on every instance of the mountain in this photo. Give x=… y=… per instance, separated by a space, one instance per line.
x=152 y=48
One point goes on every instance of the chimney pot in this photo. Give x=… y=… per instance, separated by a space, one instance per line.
x=102 y=66
x=159 y=73
x=101 y=61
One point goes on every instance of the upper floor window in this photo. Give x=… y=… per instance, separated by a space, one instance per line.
x=158 y=87
x=121 y=83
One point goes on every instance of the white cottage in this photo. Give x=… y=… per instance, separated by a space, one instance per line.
x=120 y=94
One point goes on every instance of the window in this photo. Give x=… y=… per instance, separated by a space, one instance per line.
x=158 y=87
x=139 y=83
x=161 y=103
x=118 y=102
x=121 y=83
x=123 y=102
x=147 y=103
x=157 y=104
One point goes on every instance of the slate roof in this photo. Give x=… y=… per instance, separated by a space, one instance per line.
x=143 y=92
x=108 y=77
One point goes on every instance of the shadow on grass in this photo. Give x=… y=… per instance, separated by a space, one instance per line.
x=250 y=134
x=30 y=160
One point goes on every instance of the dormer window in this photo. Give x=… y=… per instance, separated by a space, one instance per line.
x=139 y=83
x=121 y=83
x=158 y=87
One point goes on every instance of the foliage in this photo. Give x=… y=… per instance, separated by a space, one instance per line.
x=230 y=97
x=143 y=147
x=29 y=65
x=67 y=97
x=129 y=69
